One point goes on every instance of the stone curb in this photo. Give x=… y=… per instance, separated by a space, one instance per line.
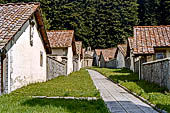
x=58 y=97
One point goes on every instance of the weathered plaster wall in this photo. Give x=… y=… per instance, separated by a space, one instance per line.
x=64 y=52
x=24 y=60
x=120 y=60
x=69 y=60
x=75 y=63
x=111 y=64
x=132 y=61
x=59 y=53
x=157 y=71
x=128 y=62
x=79 y=62
x=102 y=61
x=168 y=52
x=87 y=62
x=0 y=76
x=55 y=68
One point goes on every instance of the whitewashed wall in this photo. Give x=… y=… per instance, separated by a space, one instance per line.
x=24 y=61
x=157 y=71
x=70 y=60
x=132 y=61
x=79 y=63
x=120 y=60
x=67 y=52
x=59 y=53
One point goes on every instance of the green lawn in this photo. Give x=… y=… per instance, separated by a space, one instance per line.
x=152 y=92
x=25 y=104
x=76 y=84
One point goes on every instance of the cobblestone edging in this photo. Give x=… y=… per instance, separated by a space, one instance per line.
x=60 y=97
x=141 y=98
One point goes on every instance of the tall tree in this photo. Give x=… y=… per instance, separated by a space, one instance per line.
x=98 y=23
x=165 y=12
x=149 y=13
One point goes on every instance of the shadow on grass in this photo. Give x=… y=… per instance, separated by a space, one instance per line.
x=74 y=106
x=133 y=77
x=122 y=70
x=165 y=107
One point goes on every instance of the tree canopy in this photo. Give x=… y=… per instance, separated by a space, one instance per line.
x=102 y=23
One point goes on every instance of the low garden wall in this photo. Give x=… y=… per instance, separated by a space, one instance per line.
x=157 y=71
x=136 y=66
x=111 y=64
x=87 y=63
x=55 y=68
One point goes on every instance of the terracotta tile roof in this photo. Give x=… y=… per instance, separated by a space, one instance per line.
x=130 y=41
x=12 y=18
x=148 y=37
x=107 y=53
x=123 y=49
x=78 y=47
x=60 y=38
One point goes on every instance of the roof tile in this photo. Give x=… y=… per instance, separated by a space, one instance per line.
x=107 y=53
x=148 y=37
x=12 y=17
x=123 y=48
x=60 y=38
x=78 y=47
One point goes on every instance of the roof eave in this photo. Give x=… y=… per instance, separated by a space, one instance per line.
x=42 y=30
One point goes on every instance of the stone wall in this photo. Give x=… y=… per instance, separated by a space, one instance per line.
x=55 y=68
x=157 y=71
x=75 y=64
x=127 y=62
x=136 y=66
x=111 y=64
x=87 y=62
x=0 y=76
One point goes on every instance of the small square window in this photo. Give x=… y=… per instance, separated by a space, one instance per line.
x=41 y=58
x=160 y=55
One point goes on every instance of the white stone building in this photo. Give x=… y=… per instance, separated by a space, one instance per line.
x=122 y=56
x=78 y=57
x=105 y=57
x=63 y=47
x=23 y=46
x=150 y=43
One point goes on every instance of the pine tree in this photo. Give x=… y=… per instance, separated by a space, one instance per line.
x=98 y=23
x=149 y=12
x=165 y=12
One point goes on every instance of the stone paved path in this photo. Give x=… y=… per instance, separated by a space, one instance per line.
x=117 y=99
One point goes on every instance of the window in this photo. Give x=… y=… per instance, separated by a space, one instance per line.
x=41 y=58
x=32 y=23
x=160 y=55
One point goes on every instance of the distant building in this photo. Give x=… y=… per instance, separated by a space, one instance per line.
x=122 y=56
x=87 y=57
x=105 y=57
x=78 y=57
x=63 y=46
x=148 y=44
